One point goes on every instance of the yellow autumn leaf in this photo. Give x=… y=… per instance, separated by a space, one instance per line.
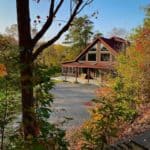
x=97 y=117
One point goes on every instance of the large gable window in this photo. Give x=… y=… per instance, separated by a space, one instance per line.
x=83 y=58
x=103 y=48
x=92 y=57
x=92 y=53
x=93 y=48
x=105 y=57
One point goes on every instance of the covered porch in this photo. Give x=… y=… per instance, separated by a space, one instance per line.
x=85 y=71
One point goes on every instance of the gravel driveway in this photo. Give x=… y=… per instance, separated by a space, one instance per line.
x=70 y=101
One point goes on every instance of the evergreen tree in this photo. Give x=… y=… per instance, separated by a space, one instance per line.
x=79 y=34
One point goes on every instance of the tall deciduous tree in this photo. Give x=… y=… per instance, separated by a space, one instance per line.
x=54 y=55
x=120 y=99
x=29 y=53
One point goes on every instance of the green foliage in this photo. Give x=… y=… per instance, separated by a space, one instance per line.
x=50 y=136
x=134 y=67
x=9 y=87
x=8 y=101
x=79 y=35
x=53 y=56
x=43 y=106
x=131 y=74
x=9 y=57
x=110 y=112
x=80 y=32
x=118 y=103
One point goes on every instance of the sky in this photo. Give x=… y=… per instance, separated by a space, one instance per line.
x=126 y=14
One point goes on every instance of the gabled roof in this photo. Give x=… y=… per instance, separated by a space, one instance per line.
x=86 y=49
x=113 y=44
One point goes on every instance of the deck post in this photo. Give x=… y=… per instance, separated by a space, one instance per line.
x=66 y=73
x=76 y=74
x=88 y=74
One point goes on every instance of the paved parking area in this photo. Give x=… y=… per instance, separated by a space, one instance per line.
x=70 y=102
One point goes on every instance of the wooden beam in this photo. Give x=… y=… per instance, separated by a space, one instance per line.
x=66 y=70
x=76 y=74
x=88 y=74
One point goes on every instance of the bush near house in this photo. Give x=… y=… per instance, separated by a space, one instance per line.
x=120 y=103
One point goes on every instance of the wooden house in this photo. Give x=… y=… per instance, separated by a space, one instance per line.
x=96 y=60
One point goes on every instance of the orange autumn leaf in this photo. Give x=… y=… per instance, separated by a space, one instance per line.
x=3 y=71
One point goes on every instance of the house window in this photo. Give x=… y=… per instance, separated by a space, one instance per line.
x=93 y=49
x=105 y=57
x=91 y=57
x=82 y=58
x=104 y=49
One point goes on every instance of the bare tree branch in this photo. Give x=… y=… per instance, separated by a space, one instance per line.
x=49 y=21
x=65 y=28
x=58 y=6
x=84 y=5
x=87 y=2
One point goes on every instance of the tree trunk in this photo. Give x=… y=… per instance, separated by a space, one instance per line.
x=30 y=126
x=26 y=45
x=26 y=69
x=2 y=138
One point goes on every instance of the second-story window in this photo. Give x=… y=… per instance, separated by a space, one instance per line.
x=104 y=49
x=92 y=57
x=105 y=57
x=82 y=58
x=92 y=53
x=93 y=48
